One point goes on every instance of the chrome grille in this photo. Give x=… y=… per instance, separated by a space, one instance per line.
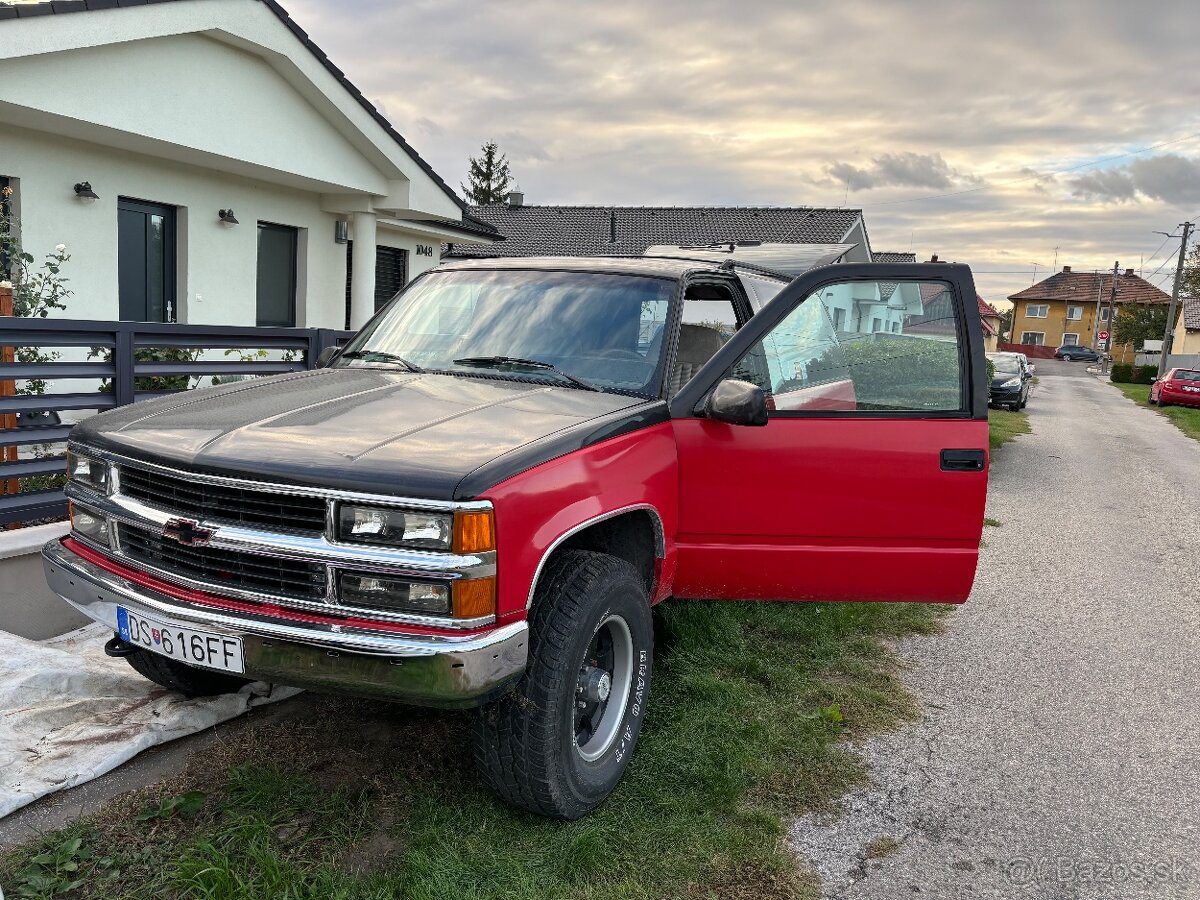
x=278 y=512
x=225 y=568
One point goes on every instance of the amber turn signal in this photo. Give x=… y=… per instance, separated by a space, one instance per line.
x=474 y=532
x=474 y=598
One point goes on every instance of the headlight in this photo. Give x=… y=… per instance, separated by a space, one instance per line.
x=90 y=472
x=88 y=524
x=1012 y=382
x=463 y=532
x=395 y=527
x=380 y=592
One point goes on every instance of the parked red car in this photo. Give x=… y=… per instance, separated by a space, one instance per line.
x=479 y=500
x=1179 y=387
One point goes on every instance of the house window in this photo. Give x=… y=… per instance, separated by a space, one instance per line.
x=876 y=325
x=145 y=261
x=1075 y=312
x=1036 y=338
x=1071 y=339
x=839 y=319
x=895 y=328
x=1037 y=311
x=391 y=274
x=276 y=297
x=1104 y=314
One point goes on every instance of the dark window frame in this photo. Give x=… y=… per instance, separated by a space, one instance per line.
x=294 y=274
x=170 y=240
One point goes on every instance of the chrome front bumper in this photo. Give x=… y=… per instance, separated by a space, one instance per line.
x=425 y=670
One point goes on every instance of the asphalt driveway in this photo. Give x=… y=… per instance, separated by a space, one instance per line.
x=1058 y=755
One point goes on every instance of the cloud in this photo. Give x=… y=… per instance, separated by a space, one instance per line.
x=786 y=103
x=907 y=169
x=1171 y=178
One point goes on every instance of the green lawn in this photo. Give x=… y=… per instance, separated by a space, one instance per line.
x=751 y=705
x=1186 y=419
x=1004 y=425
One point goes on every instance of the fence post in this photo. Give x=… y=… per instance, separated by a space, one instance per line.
x=8 y=388
x=123 y=366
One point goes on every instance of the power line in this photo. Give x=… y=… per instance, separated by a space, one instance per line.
x=1037 y=177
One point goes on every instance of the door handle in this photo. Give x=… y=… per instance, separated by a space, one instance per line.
x=963 y=460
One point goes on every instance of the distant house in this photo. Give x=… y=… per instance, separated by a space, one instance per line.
x=628 y=230
x=204 y=161
x=1072 y=307
x=1187 y=332
x=992 y=323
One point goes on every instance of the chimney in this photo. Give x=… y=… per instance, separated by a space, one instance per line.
x=934 y=258
x=1066 y=270
x=516 y=198
x=1129 y=273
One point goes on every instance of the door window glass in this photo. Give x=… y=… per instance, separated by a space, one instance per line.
x=896 y=348
x=706 y=324
x=276 y=274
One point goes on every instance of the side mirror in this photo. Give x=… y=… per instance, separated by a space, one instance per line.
x=327 y=356
x=737 y=403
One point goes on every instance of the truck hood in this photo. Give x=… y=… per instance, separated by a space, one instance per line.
x=371 y=430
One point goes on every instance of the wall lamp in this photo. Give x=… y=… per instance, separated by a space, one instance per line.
x=83 y=190
x=227 y=216
x=341 y=232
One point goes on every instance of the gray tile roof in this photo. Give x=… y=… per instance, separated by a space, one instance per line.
x=589 y=230
x=1191 y=313
x=470 y=224
x=889 y=256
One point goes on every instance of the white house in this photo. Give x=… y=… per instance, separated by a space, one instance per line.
x=203 y=161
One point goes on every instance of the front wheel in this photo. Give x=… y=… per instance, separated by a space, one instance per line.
x=559 y=744
x=1069 y=358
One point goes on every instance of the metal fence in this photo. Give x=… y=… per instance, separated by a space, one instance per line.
x=127 y=358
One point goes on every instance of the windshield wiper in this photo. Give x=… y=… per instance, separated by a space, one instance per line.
x=382 y=356
x=495 y=362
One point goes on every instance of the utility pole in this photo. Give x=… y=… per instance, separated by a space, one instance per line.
x=1169 y=332
x=1112 y=299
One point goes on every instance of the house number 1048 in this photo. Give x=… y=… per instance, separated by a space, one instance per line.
x=424 y=250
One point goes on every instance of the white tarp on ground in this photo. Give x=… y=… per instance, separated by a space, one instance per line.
x=68 y=713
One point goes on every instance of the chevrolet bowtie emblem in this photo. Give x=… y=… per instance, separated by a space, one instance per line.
x=187 y=532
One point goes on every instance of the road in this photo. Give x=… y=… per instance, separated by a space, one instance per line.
x=1058 y=753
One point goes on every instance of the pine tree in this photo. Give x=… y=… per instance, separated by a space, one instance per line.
x=489 y=177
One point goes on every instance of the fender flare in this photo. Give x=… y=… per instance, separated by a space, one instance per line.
x=660 y=540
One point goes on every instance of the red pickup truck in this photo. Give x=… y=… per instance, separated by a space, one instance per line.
x=477 y=502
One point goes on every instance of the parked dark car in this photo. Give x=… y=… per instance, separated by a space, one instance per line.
x=1071 y=352
x=1179 y=387
x=1010 y=381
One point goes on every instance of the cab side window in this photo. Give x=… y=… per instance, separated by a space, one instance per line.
x=710 y=317
x=863 y=346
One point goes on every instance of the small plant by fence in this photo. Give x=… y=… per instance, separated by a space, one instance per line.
x=133 y=361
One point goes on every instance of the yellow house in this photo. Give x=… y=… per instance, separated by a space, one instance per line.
x=1072 y=307
x=1186 y=338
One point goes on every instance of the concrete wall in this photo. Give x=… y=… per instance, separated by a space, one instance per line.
x=27 y=607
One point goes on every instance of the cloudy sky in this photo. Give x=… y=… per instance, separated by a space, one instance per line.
x=1000 y=134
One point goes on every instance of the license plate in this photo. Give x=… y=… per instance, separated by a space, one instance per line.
x=1193 y=389
x=196 y=648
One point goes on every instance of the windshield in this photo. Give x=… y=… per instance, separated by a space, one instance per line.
x=1006 y=365
x=1187 y=375
x=582 y=329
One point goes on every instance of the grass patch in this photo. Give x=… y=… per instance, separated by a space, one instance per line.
x=882 y=847
x=990 y=522
x=1186 y=419
x=1004 y=425
x=360 y=799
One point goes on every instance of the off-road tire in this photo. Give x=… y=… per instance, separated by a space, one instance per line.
x=525 y=743
x=175 y=676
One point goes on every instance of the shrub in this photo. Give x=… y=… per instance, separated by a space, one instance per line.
x=1144 y=374
x=1122 y=373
